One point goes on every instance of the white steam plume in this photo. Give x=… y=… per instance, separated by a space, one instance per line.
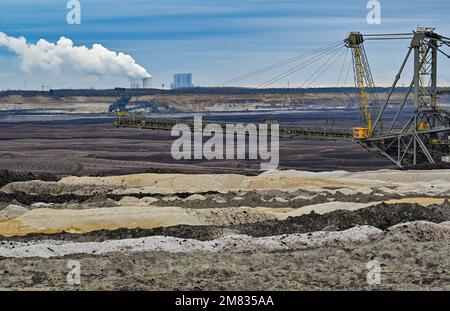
x=63 y=56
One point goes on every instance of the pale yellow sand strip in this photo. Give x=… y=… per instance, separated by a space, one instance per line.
x=146 y=217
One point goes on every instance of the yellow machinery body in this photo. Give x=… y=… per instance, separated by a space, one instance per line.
x=422 y=126
x=360 y=132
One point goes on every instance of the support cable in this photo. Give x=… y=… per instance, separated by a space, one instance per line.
x=298 y=67
x=282 y=63
x=331 y=61
x=342 y=70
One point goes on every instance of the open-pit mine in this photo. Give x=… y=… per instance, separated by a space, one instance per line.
x=94 y=196
x=280 y=230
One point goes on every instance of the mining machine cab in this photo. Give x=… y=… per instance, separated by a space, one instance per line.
x=360 y=132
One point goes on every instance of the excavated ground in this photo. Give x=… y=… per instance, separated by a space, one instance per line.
x=380 y=216
x=277 y=231
x=405 y=266
x=93 y=146
x=7 y=177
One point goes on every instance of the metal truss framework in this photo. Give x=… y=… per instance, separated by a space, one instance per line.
x=424 y=137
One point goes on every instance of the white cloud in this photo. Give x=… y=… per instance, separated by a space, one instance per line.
x=63 y=56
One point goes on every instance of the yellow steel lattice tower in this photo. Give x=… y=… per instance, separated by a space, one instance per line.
x=363 y=82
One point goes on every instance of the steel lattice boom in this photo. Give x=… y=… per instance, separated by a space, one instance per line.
x=424 y=136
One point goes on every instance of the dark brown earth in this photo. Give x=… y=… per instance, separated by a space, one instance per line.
x=7 y=177
x=95 y=147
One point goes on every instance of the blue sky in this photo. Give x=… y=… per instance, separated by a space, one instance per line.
x=216 y=40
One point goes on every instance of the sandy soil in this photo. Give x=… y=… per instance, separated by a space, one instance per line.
x=288 y=230
x=404 y=266
x=148 y=201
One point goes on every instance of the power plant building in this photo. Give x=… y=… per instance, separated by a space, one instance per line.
x=182 y=80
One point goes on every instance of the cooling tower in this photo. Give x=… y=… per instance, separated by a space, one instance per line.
x=135 y=84
x=147 y=83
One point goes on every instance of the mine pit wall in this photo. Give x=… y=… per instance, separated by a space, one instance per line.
x=202 y=100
